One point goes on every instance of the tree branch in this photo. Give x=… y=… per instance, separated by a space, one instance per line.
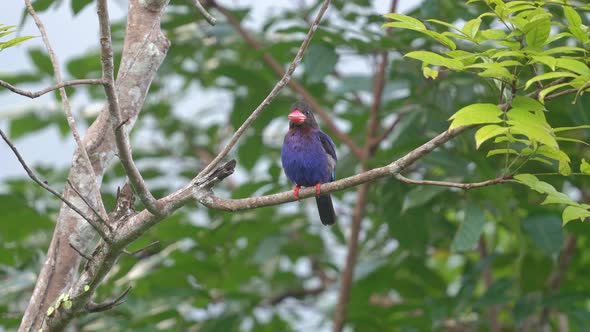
x=294 y=84
x=144 y=49
x=465 y=186
x=100 y=228
x=348 y=274
x=208 y=17
x=67 y=108
x=39 y=93
x=121 y=136
x=273 y=93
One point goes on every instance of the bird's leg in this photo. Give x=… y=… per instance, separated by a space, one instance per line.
x=317 y=189
x=296 y=191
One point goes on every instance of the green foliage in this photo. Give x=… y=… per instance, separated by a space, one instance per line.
x=425 y=253
x=525 y=53
x=6 y=30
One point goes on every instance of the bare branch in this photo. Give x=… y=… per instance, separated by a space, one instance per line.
x=273 y=93
x=465 y=186
x=97 y=226
x=121 y=136
x=88 y=204
x=296 y=86
x=67 y=107
x=79 y=251
x=99 y=307
x=204 y=12
x=39 y=93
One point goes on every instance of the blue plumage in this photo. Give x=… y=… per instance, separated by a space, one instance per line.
x=309 y=157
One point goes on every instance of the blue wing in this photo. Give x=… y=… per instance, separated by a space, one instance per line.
x=330 y=150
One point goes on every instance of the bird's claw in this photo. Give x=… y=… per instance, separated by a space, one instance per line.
x=296 y=192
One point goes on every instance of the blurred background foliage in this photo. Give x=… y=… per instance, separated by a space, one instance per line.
x=422 y=265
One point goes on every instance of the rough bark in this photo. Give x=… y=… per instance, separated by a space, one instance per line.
x=144 y=49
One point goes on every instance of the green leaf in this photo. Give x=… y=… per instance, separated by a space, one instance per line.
x=470 y=229
x=527 y=103
x=448 y=25
x=534 y=183
x=27 y=125
x=430 y=58
x=572 y=16
x=41 y=61
x=486 y=132
x=421 y=195
x=548 y=76
x=585 y=167
x=471 y=27
x=560 y=129
x=574 y=212
x=319 y=62
x=78 y=5
x=406 y=19
x=537 y=32
x=573 y=65
x=14 y=42
x=501 y=151
x=543 y=93
x=545 y=231
x=476 y=114
x=429 y=73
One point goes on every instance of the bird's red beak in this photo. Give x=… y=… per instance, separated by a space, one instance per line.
x=297 y=117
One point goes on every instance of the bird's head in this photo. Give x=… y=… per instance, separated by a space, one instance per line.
x=301 y=116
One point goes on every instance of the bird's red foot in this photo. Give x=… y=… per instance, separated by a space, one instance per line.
x=317 y=189
x=296 y=192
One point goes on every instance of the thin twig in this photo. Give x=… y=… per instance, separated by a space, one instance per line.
x=67 y=108
x=97 y=226
x=273 y=93
x=39 y=93
x=121 y=136
x=88 y=204
x=204 y=12
x=133 y=253
x=79 y=251
x=465 y=186
x=294 y=84
x=99 y=307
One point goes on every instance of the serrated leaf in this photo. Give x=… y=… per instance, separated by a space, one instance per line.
x=476 y=114
x=486 y=132
x=534 y=183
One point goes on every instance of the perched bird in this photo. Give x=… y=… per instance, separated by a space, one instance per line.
x=309 y=158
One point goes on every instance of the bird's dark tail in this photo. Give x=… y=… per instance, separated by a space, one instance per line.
x=326 y=209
